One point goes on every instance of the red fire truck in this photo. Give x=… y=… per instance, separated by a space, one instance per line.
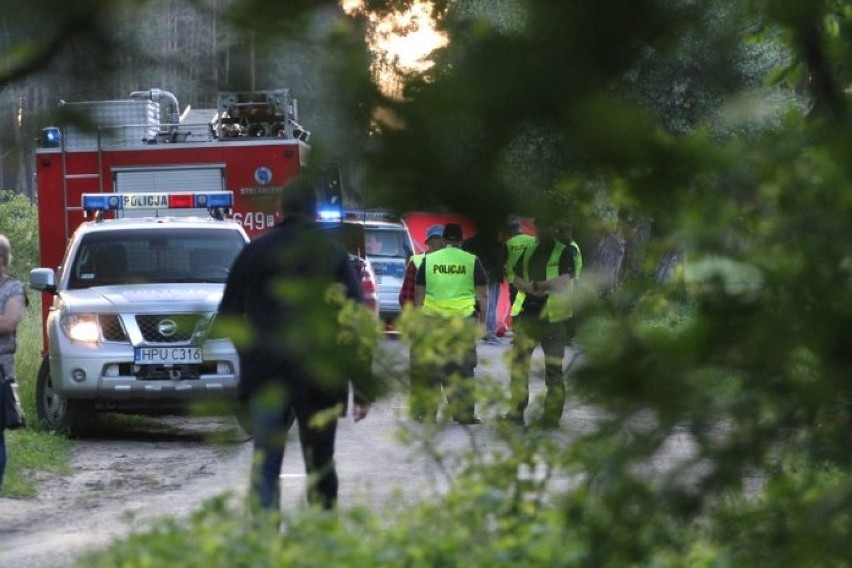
x=251 y=145
x=136 y=340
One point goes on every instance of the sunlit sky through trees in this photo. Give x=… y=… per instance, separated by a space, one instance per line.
x=401 y=42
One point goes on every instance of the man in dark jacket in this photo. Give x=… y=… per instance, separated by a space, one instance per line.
x=276 y=309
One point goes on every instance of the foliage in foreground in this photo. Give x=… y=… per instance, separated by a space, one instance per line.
x=504 y=517
x=758 y=379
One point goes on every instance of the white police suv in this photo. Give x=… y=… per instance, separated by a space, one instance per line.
x=134 y=301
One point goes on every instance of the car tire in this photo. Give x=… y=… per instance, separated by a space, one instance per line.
x=74 y=418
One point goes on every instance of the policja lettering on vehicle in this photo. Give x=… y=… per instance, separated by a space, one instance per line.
x=449 y=269
x=145 y=200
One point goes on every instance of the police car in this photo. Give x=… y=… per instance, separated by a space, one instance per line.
x=385 y=244
x=133 y=305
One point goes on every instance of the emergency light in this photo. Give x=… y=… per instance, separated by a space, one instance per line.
x=330 y=214
x=51 y=137
x=182 y=200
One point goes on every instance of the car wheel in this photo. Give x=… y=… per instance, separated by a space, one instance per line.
x=58 y=414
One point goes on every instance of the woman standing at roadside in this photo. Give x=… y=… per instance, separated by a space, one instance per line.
x=12 y=303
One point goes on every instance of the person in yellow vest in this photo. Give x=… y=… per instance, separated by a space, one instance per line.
x=516 y=244
x=563 y=232
x=544 y=273
x=448 y=285
x=434 y=241
x=419 y=390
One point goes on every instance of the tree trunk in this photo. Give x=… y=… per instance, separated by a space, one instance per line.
x=607 y=260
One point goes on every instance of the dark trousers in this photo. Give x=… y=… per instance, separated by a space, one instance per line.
x=433 y=376
x=530 y=332
x=272 y=413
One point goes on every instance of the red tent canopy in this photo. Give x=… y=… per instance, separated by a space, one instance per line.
x=419 y=222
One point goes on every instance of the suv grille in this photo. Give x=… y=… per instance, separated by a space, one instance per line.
x=168 y=328
x=111 y=328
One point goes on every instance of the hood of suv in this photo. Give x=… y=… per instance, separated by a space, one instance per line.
x=149 y=297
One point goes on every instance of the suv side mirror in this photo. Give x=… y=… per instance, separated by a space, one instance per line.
x=43 y=279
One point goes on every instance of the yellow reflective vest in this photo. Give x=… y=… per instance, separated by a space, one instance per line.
x=558 y=305
x=515 y=247
x=450 y=286
x=578 y=260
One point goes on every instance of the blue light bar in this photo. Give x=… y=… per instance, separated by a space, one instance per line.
x=329 y=214
x=214 y=199
x=101 y=202
x=157 y=200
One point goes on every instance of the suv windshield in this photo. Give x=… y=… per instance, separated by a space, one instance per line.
x=140 y=256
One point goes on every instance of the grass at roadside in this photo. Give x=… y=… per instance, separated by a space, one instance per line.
x=31 y=450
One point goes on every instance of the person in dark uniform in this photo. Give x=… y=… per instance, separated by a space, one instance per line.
x=448 y=285
x=544 y=273
x=277 y=311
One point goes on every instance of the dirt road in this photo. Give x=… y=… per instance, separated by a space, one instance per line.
x=123 y=480
x=142 y=473
x=148 y=473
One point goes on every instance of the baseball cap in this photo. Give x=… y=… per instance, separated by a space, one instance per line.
x=434 y=231
x=453 y=232
x=563 y=227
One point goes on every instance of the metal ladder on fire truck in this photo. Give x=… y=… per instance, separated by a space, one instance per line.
x=81 y=177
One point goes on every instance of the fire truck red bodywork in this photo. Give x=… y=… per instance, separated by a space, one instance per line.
x=254 y=167
x=64 y=175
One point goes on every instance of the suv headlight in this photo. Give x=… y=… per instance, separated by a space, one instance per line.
x=81 y=327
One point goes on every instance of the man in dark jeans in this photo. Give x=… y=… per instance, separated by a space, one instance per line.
x=545 y=273
x=486 y=245
x=277 y=311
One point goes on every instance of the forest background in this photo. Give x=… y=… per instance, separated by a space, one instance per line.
x=701 y=150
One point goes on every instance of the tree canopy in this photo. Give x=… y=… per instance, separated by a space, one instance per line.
x=725 y=126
